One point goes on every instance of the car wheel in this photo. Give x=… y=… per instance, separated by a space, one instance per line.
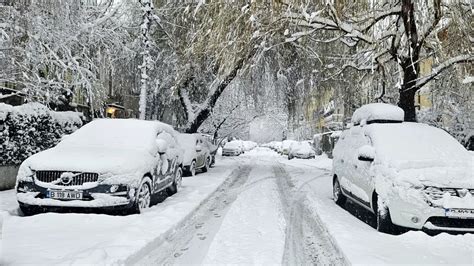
x=213 y=161
x=192 y=169
x=384 y=221
x=178 y=181
x=29 y=210
x=144 y=195
x=337 y=195
x=206 y=165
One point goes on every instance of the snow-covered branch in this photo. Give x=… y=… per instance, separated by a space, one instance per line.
x=465 y=58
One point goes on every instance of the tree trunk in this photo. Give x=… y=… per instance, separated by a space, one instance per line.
x=407 y=103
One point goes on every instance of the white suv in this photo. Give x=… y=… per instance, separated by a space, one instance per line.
x=409 y=174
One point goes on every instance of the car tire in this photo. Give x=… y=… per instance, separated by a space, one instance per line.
x=177 y=182
x=29 y=210
x=213 y=161
x=206 y=165
x=337 y=195
x=384 y=221
x=192 y=169
x=143 y=198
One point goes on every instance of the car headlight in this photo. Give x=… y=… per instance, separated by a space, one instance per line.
x=25 y=173
x=25 y=186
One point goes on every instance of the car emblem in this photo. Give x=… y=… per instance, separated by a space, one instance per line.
x=462 y=192
x=67 y=177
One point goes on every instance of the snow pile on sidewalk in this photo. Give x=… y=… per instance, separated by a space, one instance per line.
x=54 y=238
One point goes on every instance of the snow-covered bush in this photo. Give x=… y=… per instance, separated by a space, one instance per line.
x=31 y=128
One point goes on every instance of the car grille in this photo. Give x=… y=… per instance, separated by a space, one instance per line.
x=77 y=180
x=452 y=222
x=435 y=193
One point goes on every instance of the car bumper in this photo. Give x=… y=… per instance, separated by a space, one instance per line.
x=423 y=216
x=96 y=197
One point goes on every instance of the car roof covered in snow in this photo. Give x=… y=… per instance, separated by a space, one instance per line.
x=378 y=112
x=118 y=133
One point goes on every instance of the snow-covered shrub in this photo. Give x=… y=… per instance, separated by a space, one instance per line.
x=31 y=128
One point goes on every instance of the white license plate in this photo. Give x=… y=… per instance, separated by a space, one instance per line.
x=67 y=195
x=459 y=213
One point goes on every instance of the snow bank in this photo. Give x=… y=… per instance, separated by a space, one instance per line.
x=64 y=239
x=377 y=111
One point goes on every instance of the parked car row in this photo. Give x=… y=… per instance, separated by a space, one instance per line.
x=119 y=164
x=237 y=147
x=293 y=149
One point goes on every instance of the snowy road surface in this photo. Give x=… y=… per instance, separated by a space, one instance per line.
x=258 y=208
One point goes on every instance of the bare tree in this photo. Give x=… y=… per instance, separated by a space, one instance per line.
x=381 y=34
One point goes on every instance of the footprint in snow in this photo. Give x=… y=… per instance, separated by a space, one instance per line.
x=199 y=225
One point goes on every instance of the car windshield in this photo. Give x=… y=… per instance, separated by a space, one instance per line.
x=232 y=145
x=117 y=134
x=416 y=143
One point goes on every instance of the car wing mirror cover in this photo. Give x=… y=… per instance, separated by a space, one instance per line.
x=366 y=153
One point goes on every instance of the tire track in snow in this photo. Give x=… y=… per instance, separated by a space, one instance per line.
x=190 y=241
x=307 y=241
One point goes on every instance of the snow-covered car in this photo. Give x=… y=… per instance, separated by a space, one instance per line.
x=409 y=175
x=233 y=148
x=285 y=146
x=198 y=153
x=301 y=150
x=107 y=164
x=249 y=145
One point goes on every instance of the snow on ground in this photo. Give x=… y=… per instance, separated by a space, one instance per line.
x=361 y=243
x=54 y=238
x=8 y=206
x=253 y=230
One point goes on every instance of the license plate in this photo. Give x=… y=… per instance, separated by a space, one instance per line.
x=66 y=195
x=460 y=213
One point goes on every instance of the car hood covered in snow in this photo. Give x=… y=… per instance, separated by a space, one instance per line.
x=419 y=152
x=95 y=160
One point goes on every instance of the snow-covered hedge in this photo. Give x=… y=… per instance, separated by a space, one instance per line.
x=31 y=128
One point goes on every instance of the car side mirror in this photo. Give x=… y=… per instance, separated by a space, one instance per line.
x=366 y=153
x=198 y=148
x=162 y=146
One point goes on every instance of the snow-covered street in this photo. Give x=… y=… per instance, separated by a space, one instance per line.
x=258 y=208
